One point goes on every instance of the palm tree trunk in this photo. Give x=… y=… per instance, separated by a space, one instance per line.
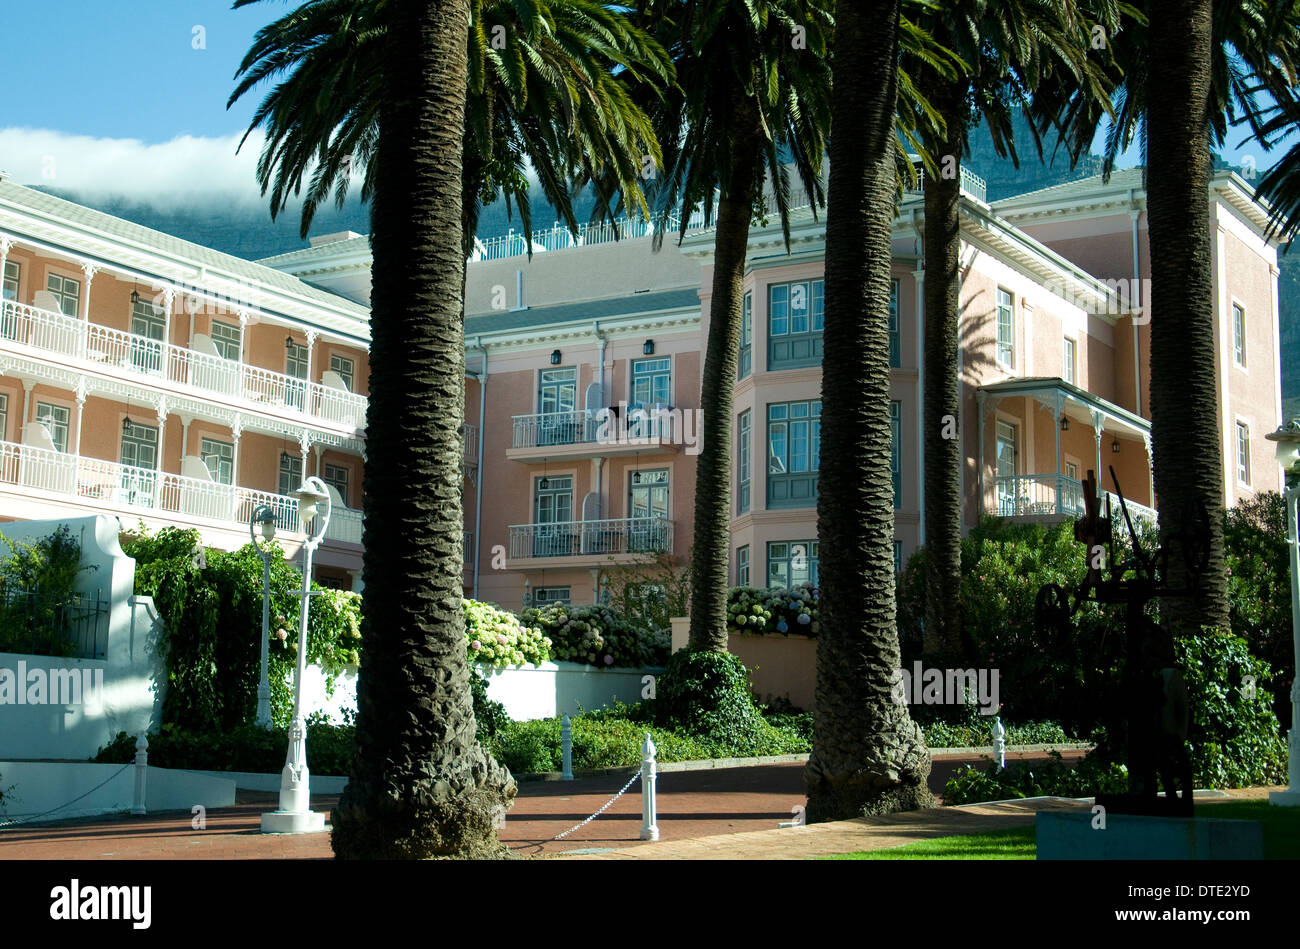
x=1185 y=438
x=868 y=756
x=943 y=455
x=421 y=785
x=710 y=556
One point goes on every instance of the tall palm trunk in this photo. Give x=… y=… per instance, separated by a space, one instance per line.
x=868 y=756
x=421 y=785
x=710 y=557
x=1185 y=437
x=942 y=439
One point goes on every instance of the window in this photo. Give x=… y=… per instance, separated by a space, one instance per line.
x=898 y=557
x=651 y=381
x=220 y=459
x=290 y=472
x=795 y=316
x=742 y=566
x=791 y=563
x=67 y=291
x=226 y=337
x=1239 y=335
x=553 y=507
x=336 y=476
x=746 y=360
x=1007 y=438
x=4 y=417
x=139 y=445
x=149 y=326
x=344 y=368
x=794 y=450
x=649 y=493
x=895 y=333
x=9 y=285
x=1243 y=453
x=1067 y=361
x=55 y=420
x=557 y=391
x=549 y=596
x=295 y=366
x=330 y=583
x=742 y=463
x=1006 y=329
x=896 y=450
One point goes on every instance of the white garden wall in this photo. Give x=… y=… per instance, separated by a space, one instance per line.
x=41 y=786
x=563 y=688
x=133 y=674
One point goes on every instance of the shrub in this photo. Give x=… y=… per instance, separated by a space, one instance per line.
x=247 y=748
x=37 y=602
x=494 y=637
x=490 y=716
x=598 y=636
x=971 y=785
x=795 y=610
x=1233 y=735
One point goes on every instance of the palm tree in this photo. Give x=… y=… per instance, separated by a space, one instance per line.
x=1009 y=49
x=542 y=93
x=752 y=98
x=868 y=755
x=1280 y=186
x=421 y=785
x=1190 y=69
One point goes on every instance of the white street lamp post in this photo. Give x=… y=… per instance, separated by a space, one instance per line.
x=295 y=815
x=264 y=518
x=1288 y=456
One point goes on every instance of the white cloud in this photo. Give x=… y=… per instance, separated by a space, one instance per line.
x=185 y=167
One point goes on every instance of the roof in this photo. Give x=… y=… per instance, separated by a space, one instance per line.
x=1120 y=179
x=561 y=313
x=173 y=250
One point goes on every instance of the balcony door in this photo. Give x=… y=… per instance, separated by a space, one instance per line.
x=648 y=508
x=1006 y=455
x=557 y=396
x=553 y=516
x=139 y=458
x=148 y=327
x=295 y=367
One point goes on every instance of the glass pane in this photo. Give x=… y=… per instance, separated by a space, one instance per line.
x=776 y=435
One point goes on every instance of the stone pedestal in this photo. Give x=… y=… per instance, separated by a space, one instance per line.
x=1128 y=837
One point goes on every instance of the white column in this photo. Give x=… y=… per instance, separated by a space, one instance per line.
x=169 y=295
x=308 y=403
x=81 y=404
x=318 y=450
x=28 y=385
x=236 y=430
x=158 y=465
x=1098 y=425
x=88 y=270
x=185 y=436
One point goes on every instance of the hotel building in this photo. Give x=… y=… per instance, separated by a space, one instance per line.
x=583 y=379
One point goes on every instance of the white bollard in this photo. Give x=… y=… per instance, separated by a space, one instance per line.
x=649 y=824
x=999 y=743
x=566 y=749
x=141 y=773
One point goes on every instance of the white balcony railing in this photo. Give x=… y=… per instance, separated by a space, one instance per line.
x=131 y=354
x=135 y=490
x=631 y=535
x=643 y=425
x=1039 y=494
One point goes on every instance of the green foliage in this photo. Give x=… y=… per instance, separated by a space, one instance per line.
x=795 y=610
x=650 y=593
x=211 y=607
x=1259 y=585
x=979 y=734
x=37 y=598
x=1234 y=735
x=490 y=716
x=494 y=637
x=971 y=785
x=245 y=748
x=598 y=636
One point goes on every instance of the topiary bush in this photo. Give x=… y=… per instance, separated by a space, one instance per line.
x=754 y=611
x=598 y=636
x=494 y=637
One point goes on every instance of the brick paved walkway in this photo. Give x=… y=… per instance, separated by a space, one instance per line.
x=692 y=805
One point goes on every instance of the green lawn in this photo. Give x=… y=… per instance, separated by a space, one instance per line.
x=1281 y=837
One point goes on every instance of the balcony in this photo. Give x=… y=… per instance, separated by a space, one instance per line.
x=35 y=472
x=590 y=543
x=1054 y=496
x=152 y=361
x=592 y=433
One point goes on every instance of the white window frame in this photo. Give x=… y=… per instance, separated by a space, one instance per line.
x=1243 y=449
x=348 y=374
x=223 y=343
x=58 y=425
x=8 y=280
x=64 y=280
x=1070 y=360
x=329 y=474
x=742 y=566
x=204 y=441
x=1238 y=338
x=1007 y=348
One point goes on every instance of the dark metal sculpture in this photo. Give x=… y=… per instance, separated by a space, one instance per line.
x=1155 y=694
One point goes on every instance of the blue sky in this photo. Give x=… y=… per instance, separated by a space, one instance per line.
x=130 y=96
